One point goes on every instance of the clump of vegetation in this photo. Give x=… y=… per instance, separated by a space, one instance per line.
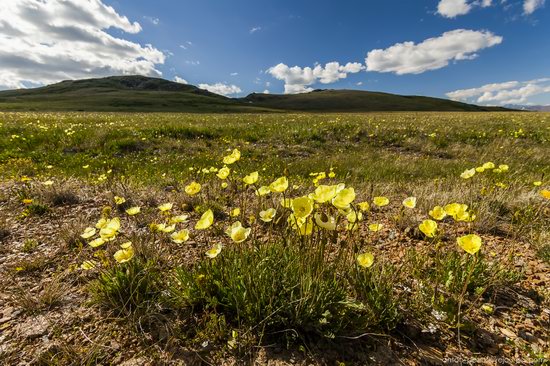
x=29 y=245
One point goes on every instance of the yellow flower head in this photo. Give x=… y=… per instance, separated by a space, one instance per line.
x=165 y=207
x=133 y=211
x=214 y=251
x=237 y=232
x=409 y=202
x=206 y=220
x=279 y=185
x=480 y=169
x=538 y=183
x=235 y=212
x=545 y=193
x=193 y=188
x=180 y=236
x=438 y=213
x=267 y=215
x=354 y=216
x=381 y=201
x=344 y=198
x=428 y=227
x=126 y=245
x=88 y=233
x=363 y=206
x=470 y=243
x=232 y=158
x=178 y=219
x=467 y=174
x=223 y=173
x=124 y=255
x=324 y=193
x=263 y=190
x=302 y=206
x=110 y=230
x=251 y=178
x=119 y=200
x=365 y=260
x=503 y=167
x=325 y=221
x=86 y=265
x=27 y=201
x=489 y=165
x=375 y=227
x=97 y=242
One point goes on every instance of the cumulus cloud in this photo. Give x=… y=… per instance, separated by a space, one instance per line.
x=431 y=54
x=298 y=79
x=177 y=79
x=453 y=8
x=45 y=41
x=529 y=6
x=222 y=89
x=255 y=29
x=510 y=92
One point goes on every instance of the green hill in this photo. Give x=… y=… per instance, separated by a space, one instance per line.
x=145 y=94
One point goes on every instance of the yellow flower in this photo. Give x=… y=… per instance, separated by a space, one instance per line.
x=223 y=173
x=235 y=212
x=344 y=198
x=354 y=216
x=452 y=209
x=302 y=206
x=124 y=255
x=438 y=213
x=251 y=178
x=305 y=226
x=409 y=202
x=86 y=265
x=110 y=230
x=224 y=185
x=267 y=215
x=428 y=227
x=119 y=200
x=263 y=190
x=503 y=168
x=489 y=165
x=324 y=193
x=365 y=260
x=168 y=229
x=206 y=220
x=193 y=188
x=233 y=157
x=467 y=174
x=237 y=232
x=101 y=223
x=480 y=169
x=364 y=206
x=48 y=183
x=375 y=227
x=96 y=242
x=133 y=211
x=470 y=243
x=279 y=185
x=165 y=207
x=381 y=201
x=537 y=183
x=88 y=233
x=545 y=193
x=178 y=219
x=180 y=236
x=325 y=221
x=126 y=245
x=214 y=251
x=27 y=201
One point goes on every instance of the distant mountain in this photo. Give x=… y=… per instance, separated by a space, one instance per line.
x=145 y=94
x=533 y=108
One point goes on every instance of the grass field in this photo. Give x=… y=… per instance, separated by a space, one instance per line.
x=274 y=238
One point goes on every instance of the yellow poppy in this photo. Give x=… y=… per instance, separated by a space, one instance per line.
x=489 y=165
x=325 y=221
x=133 y=211
x=545 y=193
x=428 y=227
x=302 y=206
x=119 y=200
x=438 y=213
x=344 y=198
x=192 y=188
x=223 y=173
x=267 y=215
x=180 y=236
x=279 y=185
x=178 y=219
x=262 y=191
x=206 y=220
x=237 y=232
x=214 y=251
x=86 y=265
x=88 y=233
x=165 y=207
x=363 y=206
x=470 y=243
x=467 y=174
x=232 y=158
x=324 y=193
x=235 y=212
x=409 y=202
x=96 y=242
x=251 y=178
x=365 y=260
x=375 y=227
x=124 y=255
x=381 y=201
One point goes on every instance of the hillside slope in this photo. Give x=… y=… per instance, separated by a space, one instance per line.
x=145 y=94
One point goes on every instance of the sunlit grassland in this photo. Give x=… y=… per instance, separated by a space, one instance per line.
x=377 y=148
x=296 y=229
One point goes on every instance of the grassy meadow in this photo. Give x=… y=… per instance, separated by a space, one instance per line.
x=337 y=239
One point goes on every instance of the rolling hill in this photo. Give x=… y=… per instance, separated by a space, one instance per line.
x=145 y=94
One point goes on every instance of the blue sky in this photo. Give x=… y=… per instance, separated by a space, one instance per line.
x=238 y=43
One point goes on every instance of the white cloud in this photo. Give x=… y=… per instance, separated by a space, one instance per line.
x=266 y=91
x=154 y=21
x=510 y=92
x=431 y=54
x=298 y=79
x=45 y=41
x=255 y=29
x=234 y=74
x=177 y=79
x=529 y=6
x=220 y=88
x=453 y=8
x=192 y=62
